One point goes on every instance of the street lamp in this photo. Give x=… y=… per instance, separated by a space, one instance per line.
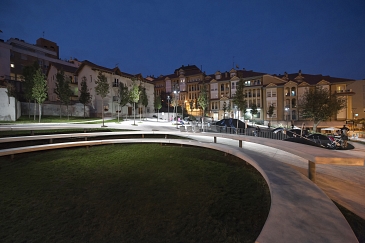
x=168 y=108
x=287 y=116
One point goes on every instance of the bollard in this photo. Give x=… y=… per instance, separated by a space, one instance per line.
x=312 y=171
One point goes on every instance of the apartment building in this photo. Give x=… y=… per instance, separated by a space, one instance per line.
x=16 y=54
x=261 y=89
x=114 y=76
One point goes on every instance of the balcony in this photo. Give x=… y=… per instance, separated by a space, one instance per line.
x=345 y=92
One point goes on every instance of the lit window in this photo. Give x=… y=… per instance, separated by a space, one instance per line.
x=12 y=65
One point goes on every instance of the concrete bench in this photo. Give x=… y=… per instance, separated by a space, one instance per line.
x=196 y=129
x=189 y=128
x=313 y=155
x=182 y=128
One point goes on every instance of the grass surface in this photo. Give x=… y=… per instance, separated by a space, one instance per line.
x=131 y=193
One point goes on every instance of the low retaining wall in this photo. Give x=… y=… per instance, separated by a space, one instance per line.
x=54 y=109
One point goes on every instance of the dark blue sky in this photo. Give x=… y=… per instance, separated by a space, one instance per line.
x=154 y=37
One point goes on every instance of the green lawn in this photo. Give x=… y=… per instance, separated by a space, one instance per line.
x=131 y=193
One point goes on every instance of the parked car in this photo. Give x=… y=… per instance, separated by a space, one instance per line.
x=320 y=139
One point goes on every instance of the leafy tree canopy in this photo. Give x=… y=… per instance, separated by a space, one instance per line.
x=28 y=75
x=203 y=99
x=39 y=91
x=102 y=86
x=239 y=97
x=318 y=104
x=85 y=96
x=158 y=103
x=123 y=94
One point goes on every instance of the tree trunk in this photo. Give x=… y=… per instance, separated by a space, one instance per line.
x=102 y=110
x=315 y=124
x=29 y=109
x=40 y=112
x=35 y=109
x=134 y=115
x=84 y=111
x=119 y=109
x=68 y=115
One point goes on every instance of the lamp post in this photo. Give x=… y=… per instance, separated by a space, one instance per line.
x=176 y=100
x=168 y=108
x=286 y=116
x=176 y=92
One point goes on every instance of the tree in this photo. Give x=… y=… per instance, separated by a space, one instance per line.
x=224 y=109
x=134 y=97
x=63 y=90
x=174 y=103
x=28 y=75
x=102 y=89
x=203 y=100
x=191 y=105
x=229 y=108
x=158 y=104
x=318 y=104
x=270 y=112
x=39 y=91
x=254 y=110
x=123 y=97
x=144 y=99
x=239 y=97
x=85 y=96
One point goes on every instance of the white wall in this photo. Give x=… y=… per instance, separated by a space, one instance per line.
x=9 y=107
x=76 y=110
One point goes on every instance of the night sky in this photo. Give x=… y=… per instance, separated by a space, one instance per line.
x=155 y=37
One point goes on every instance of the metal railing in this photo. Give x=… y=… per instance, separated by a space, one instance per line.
x=246 y=132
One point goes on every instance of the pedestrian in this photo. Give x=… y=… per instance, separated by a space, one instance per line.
x=257 y=131
x=344 y=135
x=269 y=125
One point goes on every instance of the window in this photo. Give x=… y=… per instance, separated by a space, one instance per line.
x=116 y=82
x=12 y=65
x=274 y=93
x=268 y=93
x=293 y=103
x=293 y=93
x=294 y=115
x=233 y=85
x=218 y=76
x=287 y=92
